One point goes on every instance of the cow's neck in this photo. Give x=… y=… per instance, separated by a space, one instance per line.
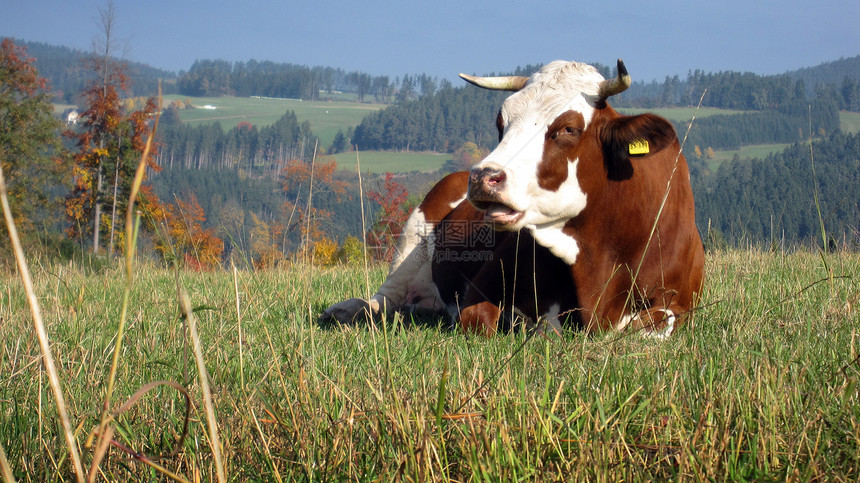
x=553 y=238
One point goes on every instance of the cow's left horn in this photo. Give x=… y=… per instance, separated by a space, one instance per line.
x=619 y=84
x=506 y=83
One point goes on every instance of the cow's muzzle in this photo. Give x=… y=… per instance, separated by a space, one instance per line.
x=487 y=193
x=485 y=185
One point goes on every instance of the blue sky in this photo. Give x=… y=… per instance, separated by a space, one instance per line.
x=443 y=37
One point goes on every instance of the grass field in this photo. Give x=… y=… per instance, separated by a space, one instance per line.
x=849 y=122
x=392 y=161
x=752 y=151
x=326 y=118
x=762 y=386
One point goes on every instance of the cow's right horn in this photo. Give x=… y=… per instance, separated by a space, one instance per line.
x=619 y=84
x=506 y=83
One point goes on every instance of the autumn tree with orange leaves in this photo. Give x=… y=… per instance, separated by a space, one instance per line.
x=28 y=139
x=109 y=145
x=302 y=181
x=179 y=233
x=392 y=214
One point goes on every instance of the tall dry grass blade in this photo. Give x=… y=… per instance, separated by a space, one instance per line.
x=309 y=216
x=130 y=246
x=5 y=469
x=266 y=446
x=42 y=334
x=363 y=226
x=185 y=305
x=823 y=252
x=239 y=328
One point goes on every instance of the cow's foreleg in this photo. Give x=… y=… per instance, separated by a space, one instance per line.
x=409 y=276
x=481 y=318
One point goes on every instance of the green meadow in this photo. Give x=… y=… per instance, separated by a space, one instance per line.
x=325 y=117
x=849 y=121
x=761 y=385
x=391 y=161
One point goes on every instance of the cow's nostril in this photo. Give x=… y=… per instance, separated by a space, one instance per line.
x=496 y=178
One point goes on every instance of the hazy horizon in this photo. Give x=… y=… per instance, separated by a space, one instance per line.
x=444 y=38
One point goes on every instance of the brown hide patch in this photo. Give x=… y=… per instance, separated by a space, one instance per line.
x=561 y=143
x=437 y=203
x=618 y=134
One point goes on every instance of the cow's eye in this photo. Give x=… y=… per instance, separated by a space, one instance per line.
x=566 y=131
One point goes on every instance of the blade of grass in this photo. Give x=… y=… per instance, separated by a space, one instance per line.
x=131 y=231
x=5 y=470
x=185 y=305
x=363 y=226
x=239 y=329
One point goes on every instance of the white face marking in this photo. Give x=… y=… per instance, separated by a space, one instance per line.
x=559 y=87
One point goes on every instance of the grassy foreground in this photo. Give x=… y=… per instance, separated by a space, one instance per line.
x=763 y=385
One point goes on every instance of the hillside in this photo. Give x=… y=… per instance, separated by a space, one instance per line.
x=773 y=199
x=64 y=68
x=834 y=72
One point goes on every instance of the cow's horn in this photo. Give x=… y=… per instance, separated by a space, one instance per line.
x=619 y=84
x=506 y=83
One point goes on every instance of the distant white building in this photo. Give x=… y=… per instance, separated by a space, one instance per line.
x=71 y=116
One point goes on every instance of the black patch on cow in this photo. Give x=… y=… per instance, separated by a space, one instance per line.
x=619 y=133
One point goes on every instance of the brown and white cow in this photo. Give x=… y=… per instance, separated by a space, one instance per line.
x=591 y=213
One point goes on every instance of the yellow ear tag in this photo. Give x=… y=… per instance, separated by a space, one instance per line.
x=639 y=146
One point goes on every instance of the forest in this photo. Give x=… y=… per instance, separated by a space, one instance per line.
x=772 y=201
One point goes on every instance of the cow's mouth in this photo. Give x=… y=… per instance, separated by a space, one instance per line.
x=500 y=214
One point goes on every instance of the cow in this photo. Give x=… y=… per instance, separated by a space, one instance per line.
x=579 y=214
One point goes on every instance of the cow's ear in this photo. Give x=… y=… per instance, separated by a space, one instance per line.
x=627 y=138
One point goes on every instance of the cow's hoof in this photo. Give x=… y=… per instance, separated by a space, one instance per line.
x=427 y=317
x=349 y=312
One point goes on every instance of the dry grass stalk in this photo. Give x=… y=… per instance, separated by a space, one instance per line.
x=44 y=345
x=363 y=226
x=185 y=305
x=130 y=242
x=5 y=469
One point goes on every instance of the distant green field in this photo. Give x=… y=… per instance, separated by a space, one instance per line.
x=392 y=161
x=751 y=151
x=849 y=122
x=326 y=118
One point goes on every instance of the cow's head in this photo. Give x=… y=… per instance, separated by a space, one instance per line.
x=530 y=180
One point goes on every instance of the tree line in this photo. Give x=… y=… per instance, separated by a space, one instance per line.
x=780 y=112
x=208 y=78
x=200 y=193
x=67 y=76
